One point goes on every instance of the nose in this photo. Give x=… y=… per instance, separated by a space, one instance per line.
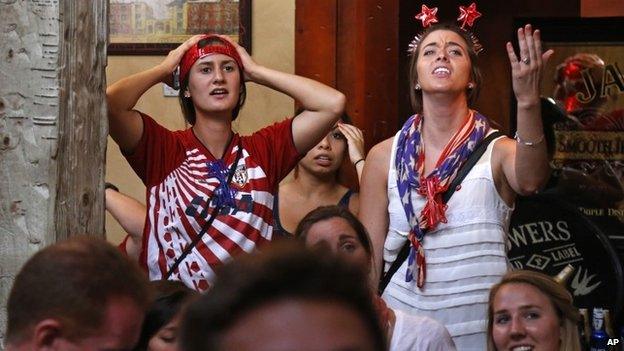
x=324 y=143
x=442 y=56
x=219 y=77
x=517 y=330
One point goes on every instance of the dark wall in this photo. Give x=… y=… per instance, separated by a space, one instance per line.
x=494 y=28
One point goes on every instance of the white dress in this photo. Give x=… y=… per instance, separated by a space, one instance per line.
x=418 y=333
x=465 y=256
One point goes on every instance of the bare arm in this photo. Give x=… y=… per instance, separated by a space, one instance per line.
x=524 y=166
x=322 y=104
x=374 y=202
x=125 y=124
x=129 y=212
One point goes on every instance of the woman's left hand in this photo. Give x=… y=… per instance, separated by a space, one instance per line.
x=249 y=65
x=355 y=141
x=527 y=71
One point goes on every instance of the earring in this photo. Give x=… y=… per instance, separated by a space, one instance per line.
x=187 y=94
x=417 y=87
x=471 y=86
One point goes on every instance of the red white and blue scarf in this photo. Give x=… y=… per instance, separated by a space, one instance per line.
x=410 y=164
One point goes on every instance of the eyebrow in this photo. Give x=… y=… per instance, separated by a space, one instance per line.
x=434 y=43
x=523 y=307
x=210 y=63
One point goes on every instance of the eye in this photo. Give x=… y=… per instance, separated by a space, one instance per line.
x=229 y=68
x=532 y=315
x=206 y=69
x=501 y=319
x=338 y=136
x=428 y=52
x=348 y=247
x=456 y=52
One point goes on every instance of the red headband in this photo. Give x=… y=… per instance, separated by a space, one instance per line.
x=195 y=53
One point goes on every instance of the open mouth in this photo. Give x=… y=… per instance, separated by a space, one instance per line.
x=522 y=348
x=441 y=72
x=219 y=91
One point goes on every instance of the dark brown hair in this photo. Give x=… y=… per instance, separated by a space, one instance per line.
x=285 y=271
x=327 y=212
x=475 y=72
x=72 y=281
x=186 y=103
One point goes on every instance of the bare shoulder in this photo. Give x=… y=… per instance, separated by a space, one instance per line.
x=504 y=148
x=379 y=156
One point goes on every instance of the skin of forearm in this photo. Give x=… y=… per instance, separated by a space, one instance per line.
x=531 y=162
x=124 y=94
x=313 y=95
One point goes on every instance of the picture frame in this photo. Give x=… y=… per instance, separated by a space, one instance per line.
x=155 y=27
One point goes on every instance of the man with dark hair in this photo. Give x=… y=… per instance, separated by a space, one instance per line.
x=80 y=294
x=287 y=298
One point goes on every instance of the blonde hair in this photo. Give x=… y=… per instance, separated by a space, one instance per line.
x=556 y=293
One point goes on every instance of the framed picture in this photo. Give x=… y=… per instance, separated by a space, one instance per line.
x=154 y=27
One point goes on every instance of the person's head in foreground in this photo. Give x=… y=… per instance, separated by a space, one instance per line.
x=530 y=311
x=287 y=298
x=162 y=320
x=79 y=294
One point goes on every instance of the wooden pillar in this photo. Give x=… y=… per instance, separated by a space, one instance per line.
x=83 y=123
x=52 y=127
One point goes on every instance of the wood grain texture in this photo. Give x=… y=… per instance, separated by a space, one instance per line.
x=82 y=119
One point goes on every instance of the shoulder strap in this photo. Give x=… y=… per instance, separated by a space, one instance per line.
x=213 y=215
x=461 y=174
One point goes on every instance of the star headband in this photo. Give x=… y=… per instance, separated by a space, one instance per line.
x=467 y=16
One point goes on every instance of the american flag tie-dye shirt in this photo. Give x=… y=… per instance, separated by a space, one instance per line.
x=173 y=167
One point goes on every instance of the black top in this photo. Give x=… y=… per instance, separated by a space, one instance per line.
x=280 y=232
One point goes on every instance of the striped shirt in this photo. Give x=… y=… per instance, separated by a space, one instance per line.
x=174 y=168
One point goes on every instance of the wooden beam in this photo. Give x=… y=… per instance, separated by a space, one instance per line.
x=315 y=40
x=83 y=125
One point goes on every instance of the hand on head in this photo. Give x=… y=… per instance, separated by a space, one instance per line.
x=169 y=64
x=355 y=141
x=249 y=65
x=526 y=70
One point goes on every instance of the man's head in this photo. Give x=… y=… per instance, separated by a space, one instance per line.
x=286 y=298
x=78 y=294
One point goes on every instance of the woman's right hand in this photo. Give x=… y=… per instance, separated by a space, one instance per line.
x=169 y=64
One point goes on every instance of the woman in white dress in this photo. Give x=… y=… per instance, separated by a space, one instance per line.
x=457 y=249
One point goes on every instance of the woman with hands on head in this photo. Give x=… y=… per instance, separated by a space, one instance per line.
x=209 y=190
x=315 y=181
x=457 y=250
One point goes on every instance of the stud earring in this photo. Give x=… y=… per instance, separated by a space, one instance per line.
x=471 y=85
x=417 y=87
x=187 y=94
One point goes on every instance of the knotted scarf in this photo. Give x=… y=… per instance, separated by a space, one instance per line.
x=410 y=164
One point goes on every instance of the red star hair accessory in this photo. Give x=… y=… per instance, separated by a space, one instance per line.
x=468 y=15
x=427 y=16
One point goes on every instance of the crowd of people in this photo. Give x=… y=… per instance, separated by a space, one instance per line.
x=239 y=260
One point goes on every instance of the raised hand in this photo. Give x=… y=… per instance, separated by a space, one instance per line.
x=249 y=65
x=527 y=70
x=169 y=64
x=355 y=141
